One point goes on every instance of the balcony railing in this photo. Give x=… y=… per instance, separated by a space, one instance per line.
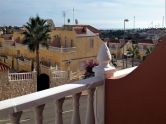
x=57 y=49
x=59 y=74
x=76 y=75
x=1 y=50
x=15 y=106
x=20 y=76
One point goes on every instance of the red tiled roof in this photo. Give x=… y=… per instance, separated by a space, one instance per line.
x=80 y=30
x=146 y=41
x=114 y=41
x=3 y=67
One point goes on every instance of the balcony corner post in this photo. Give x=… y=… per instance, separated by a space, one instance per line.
x=103 y=70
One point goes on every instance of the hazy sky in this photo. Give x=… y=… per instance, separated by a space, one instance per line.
x=98 y=13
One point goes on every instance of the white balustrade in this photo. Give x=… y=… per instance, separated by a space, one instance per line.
x=58 y=49
x=59 y=74
x=76 y=112
x=20 y=76
x=18 y=104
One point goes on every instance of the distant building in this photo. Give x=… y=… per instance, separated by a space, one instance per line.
x=71 y=47
x=114 y=46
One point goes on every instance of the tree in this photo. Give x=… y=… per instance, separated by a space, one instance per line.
x=148 y=51
x=37 y=32
x=134 y=52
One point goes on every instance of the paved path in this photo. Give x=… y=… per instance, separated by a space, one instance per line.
x=49 y=113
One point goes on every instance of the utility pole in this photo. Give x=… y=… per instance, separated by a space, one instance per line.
x=134 y=23
x=124 y=22
x=64 y=16
x=73 y=17
x=163 y=22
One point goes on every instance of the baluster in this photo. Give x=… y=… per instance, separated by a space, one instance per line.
x=90 y=118
x=15 y=117
x=39 y=114
x=20 y=76
x=58 y=111
x=76 y=113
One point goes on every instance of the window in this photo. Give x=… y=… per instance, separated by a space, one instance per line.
x=71 y=43
x=91 y=41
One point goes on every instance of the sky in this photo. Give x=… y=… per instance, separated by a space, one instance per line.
x=102 y=14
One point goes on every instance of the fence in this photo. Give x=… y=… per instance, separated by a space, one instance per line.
x=59 y=74
x=76 y=75
x=20 y=76
x=57 y=49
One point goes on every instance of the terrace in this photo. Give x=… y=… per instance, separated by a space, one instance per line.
x=130 y=96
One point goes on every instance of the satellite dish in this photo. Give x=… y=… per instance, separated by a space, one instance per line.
x=68 y=20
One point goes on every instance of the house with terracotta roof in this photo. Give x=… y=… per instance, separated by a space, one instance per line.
x=144 y=45
x=71 y=47
x=114 y=46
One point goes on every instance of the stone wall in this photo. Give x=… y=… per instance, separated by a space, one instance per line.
x=10 y=89
x=3 y=81
x=53 y=81
x=57 y=82
x=17 y=88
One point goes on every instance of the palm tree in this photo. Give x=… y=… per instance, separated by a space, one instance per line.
x=37 y=32
x=134 y=51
